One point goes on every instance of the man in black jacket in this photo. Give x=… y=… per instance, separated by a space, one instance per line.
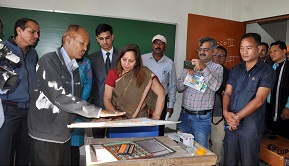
x=56 y=100
x=278 y=110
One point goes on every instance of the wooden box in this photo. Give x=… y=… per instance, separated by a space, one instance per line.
x=280 y=155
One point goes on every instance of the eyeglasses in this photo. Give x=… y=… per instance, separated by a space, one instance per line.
x=203 y=49
x=222 y=56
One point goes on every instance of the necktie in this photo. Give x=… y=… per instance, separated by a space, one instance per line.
x=107 y=62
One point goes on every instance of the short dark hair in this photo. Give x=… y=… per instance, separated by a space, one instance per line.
x=282 y=45
x=265 y=44
x=71 y=31
x=103 y=28
x=223 y=48
x=255 y=36
x=213 y=42
x=22 y=24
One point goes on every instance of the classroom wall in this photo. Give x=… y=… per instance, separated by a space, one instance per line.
x=257 y=9
x=168 y=11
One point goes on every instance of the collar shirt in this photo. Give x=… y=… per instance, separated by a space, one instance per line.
x=269 y=96
x=195 y=100
x=71 y=66
x=246 y=83
x=104 y=54
x=280 y=90
x=165 y=70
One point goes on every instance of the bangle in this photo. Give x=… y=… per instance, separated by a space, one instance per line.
x=156 y=115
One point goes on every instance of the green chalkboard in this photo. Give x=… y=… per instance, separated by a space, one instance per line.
x=53 y=24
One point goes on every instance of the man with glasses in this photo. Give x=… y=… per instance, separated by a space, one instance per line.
x=14 y=132
x=217 y=129
x=197 y=103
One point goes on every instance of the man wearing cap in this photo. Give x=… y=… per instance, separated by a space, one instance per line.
x=164 y=68
x=197 y=103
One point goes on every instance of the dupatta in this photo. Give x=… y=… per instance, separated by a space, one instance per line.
x=135 y=101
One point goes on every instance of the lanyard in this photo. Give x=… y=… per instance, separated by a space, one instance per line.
x=277 y=92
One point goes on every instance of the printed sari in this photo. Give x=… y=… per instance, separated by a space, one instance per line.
x=135 y=101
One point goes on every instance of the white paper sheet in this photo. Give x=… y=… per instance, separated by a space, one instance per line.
x=121 y=123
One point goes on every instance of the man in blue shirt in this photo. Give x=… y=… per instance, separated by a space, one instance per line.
x=164 y=68
x=14 y=132
x=248 y=85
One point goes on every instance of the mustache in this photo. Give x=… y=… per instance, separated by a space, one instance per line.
x=83 y=51
x=158 y=48
x=202 y=54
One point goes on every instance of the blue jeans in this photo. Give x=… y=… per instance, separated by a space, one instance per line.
x=198 y=125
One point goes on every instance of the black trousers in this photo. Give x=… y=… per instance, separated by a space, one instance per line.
x=242 y=145
x=75 y=156
x=49 y=154
x=14 y=136
x=163 y=116
x=98 y=132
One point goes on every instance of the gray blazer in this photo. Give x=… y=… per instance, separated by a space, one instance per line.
x=99 y=76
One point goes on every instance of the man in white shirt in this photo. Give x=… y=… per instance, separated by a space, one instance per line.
x=164 y=68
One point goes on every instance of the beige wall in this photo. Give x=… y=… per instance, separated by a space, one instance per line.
x=256 y=9
x=168 y=11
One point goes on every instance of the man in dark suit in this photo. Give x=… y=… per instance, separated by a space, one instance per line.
x=101 y=61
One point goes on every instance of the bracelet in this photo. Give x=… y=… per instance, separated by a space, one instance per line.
x=156 y=115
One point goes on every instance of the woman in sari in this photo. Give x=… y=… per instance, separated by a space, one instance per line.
x=132 y=87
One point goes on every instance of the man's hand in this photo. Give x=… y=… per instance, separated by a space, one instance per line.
x=232 y=120
x=285 y=114
x=199 y=65
x=191 y=72
x=105 y=113
x=171 y=111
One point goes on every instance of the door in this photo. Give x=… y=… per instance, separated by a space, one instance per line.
x=226 y=32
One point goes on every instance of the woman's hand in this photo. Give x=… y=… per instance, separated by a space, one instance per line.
x=105 y=113
x=156 y=116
